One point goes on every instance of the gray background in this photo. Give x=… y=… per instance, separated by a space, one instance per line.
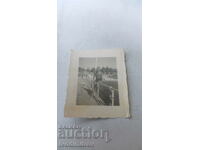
x=102 y=24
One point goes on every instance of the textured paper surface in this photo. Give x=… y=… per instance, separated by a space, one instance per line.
x=96 y=111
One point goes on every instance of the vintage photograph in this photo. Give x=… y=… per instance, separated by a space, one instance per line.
x=97 y=81
x=97 y=84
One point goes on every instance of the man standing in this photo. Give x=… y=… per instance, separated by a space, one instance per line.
x=98 y=79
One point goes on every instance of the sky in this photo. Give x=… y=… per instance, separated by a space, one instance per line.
x=88 y=62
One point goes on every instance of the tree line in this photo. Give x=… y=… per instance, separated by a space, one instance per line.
x=102 y=69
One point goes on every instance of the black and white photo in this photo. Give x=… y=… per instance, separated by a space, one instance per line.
x=97 y=81
x=97 y=84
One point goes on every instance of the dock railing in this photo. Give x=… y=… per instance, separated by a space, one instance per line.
x=112 y=91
